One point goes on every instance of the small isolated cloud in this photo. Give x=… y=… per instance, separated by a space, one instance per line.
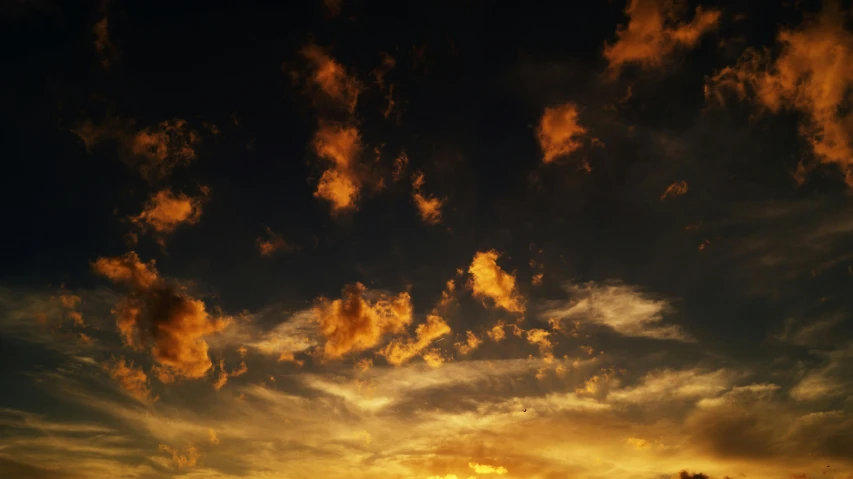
x=622 y=308
x=489 y=281
x=497 y=333
x=131 y=379
x=154 y=151
x=271 y=243
x=182 y=460
x=559 y=132
x=104 y=46
x=811 y=75
x=222 y=379
x=339 y=144
x=401 y=350
x=330 y=80
x=160 y=315
x=689 y=384
x=361 y=319
x=678 y=188
x=653 y=33
x=429 y=207
x=211 y=437
x=165 y=211
x=471 y=343
x=487 y=469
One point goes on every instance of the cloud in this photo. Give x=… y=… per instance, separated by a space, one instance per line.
x=339 y=144
x=487 y=469
x=540 y=337
x=186 y=460
x=165 y=211
x=212 y=438
x=471 y=343
x=273 y=243
x=497 y=332
x=489 y=281
x=154 y=150
x=810 y=75
x=678 y=188
x=559 y=132
x=330 y=80
x=131 y=379
x=429 y=207
x=361 y=319
x=104 y=46
x=654 y=32
x=401 y=350
x=222 y=379
x=667 y=384
x=158 y=314
x=622 y=308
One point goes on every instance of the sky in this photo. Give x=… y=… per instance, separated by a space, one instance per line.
x=427 y=240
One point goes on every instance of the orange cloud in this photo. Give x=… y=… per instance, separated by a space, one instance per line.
x=429 y=207
x=211 y=436
x=497 y=333
x=489 y=281
x=400 y=164
x=131 y=379
x=222 y=379
x=331 y=79
x=165 y=211
x=160 y=315
x=69 y=303
x=340 y=144
x=154 y=151
x=471 y=343
x=674 y=190
x=401 y=350
x=185 y=460
x=559 y=132
x=272 y=243
x=537 y=279
x=364 y=365
x=289 y=357
x=540 y=337
x=811 y=75
x=360 y=320
x=654 y=32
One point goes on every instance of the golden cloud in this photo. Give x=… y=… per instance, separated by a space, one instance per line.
x=654 y=32
x=165 y=211
x=674 y=190
x=489 y=281
x=359 y=321
x=471 y=343
x=160 y=315
x=429 y=207
x=185 y=460
x=131 y=379
x=329 y=78
x=487 y=469
x=559 y=132
x=401 y=350
x=497 y=333
x=811 y=75
x=340 y=144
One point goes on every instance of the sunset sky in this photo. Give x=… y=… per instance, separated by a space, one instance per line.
x=352 y=239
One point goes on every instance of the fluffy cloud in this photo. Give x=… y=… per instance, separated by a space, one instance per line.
x=165 y=211
x=339 y=144
x=185 y=460
x=131 y=379
x=622 y=308
x=811 y=75
x=654 y=32
x=400 y=351
x=559 y=132
x=330 y=80
x=429 y=207
x=159 y=315
x=489 y=281
x=154 y=151
x=361 y=319
x=471 y=343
